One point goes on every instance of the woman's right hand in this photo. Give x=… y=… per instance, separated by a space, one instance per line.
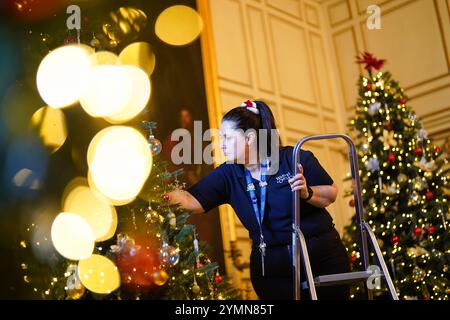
x=185 y=200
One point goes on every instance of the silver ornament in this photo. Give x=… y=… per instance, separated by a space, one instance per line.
x=373 y=164
x=374 y=108
x=154 y=145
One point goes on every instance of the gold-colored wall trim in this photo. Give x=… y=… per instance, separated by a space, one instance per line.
x=339 y=62
x=300 y=11
x=210 y=75
x=345 y=19
x=362 y=10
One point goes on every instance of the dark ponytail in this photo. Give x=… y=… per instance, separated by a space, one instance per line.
x=245 y=119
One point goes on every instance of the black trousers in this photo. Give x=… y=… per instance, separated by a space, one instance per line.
x=327 y=255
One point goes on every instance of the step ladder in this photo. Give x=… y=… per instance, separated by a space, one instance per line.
x=300 y=251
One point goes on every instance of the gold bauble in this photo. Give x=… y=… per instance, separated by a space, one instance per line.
x=172 y=219
x=160 y=277
x=382 y=210
x=415 y=198
x=402 y=178
x=125 y=24
x=428 y=174
x=380 y=243
x=196 y=288
x=152 y=216
x=412 y=252
x=113 y=43
x=75 y=294
x=419 y=184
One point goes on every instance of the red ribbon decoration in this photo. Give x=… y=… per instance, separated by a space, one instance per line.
x=370 y=61
x=249 y=104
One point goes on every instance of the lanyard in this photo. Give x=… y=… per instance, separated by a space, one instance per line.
x=251 y=190
x=259 y=212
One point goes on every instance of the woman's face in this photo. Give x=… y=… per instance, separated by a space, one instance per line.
x=233 y=142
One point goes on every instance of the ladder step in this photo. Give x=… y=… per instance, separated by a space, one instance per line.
x=340 y=278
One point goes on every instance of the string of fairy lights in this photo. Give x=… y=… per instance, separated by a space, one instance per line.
x=117 y=88
x=400 y=164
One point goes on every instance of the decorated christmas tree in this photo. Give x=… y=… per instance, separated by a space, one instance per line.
x=404 y=180
x=141 y=250
x=114 y=234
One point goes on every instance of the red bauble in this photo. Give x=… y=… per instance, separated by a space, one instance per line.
x=437 y=149
x=31 y=11
x=403 y=100
x=200 y=265
x=391 y=158
x=353 y=259
x=136 y=267
x=429 y=195
x=417 y=231
x=431 y=229
x=218 y=279
x=351 y=203
x=418 y=151
x=165 y=197
x=395 y=239
x=368 y=87
x=389 y=127
x=69 y=40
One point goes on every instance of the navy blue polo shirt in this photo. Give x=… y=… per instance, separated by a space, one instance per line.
x=227 y=185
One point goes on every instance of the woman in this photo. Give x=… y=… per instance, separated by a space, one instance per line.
x=263 y=203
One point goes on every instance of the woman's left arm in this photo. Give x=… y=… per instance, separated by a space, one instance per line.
x=323 y=195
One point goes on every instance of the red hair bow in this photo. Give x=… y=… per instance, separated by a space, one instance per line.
x=251 y=106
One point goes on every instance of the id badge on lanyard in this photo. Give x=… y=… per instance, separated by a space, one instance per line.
x=259 y=210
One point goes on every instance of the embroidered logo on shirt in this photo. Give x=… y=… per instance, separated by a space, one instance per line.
x=284 y=177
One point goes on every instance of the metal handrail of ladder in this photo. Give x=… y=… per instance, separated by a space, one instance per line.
x=300 y=250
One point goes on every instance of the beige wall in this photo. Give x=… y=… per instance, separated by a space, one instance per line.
x=415 y=40
x=298 y=56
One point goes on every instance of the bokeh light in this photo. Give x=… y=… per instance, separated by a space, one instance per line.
x=51 y=125
x=105 y=57
x=109 y=91
x=178 y=25
x=111 y=201
x=61 y=76
x=99 y=274
x=72 y=236
x=141 y=90
x=139 y=54
x=80 y=199
x=119 y=162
